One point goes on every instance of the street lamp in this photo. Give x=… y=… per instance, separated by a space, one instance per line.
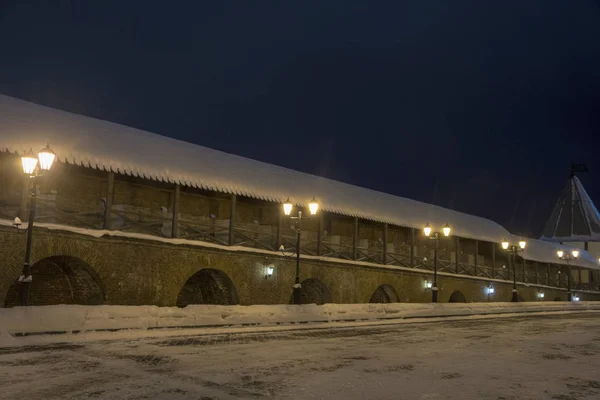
x=568 y=258
x=34 y=167
x=313 y=207
x=514 y=249
x=435 y=236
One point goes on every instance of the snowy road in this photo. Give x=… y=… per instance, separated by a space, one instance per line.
x=535 y=357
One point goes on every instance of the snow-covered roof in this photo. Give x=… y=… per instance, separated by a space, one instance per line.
x=574 y=217
x=104 y=145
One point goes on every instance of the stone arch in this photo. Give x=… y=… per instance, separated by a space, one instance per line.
x=60 y=280
x=385 y=294
x=313 y=291
x=208 y=286
x=457 y=297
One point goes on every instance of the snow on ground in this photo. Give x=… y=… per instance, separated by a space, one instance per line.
x=553 y=356
x=79 y=318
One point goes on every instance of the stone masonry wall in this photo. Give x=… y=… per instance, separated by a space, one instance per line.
x=136 y=272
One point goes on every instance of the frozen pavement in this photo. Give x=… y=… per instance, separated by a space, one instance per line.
x=535 y=357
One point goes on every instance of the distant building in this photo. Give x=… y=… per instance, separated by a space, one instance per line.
x=575 y=220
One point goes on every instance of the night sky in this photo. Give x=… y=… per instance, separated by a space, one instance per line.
x=473 y=105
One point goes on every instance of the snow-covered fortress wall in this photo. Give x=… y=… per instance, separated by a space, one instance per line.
x=131 y=217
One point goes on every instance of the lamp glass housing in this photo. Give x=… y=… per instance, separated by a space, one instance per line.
x=46 y=157
x=505 y=245
x=313 y=206
x=29 y=162
x=560 y=253
x=287 y=207
x=447 y=230
x=427 y=230
x=522 y=244
x=575 y=253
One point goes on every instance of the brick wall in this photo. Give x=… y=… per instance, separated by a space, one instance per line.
x=59 y=280
x=133 y=271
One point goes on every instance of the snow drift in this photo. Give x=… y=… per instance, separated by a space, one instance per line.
x=75 y=318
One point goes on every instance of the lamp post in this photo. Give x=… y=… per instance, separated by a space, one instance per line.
x=436 y=237
x=34 y=167
x=568 y=258
x=514 y=250
x=313 y=207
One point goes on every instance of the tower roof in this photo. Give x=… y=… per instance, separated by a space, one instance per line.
x=574 y=218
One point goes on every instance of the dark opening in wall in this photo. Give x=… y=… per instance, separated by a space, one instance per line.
x=60 y=280
x=384 y=294
x=208 y=286
x=457 y=297
x=313 y=291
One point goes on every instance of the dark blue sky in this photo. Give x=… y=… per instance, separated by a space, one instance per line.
x=474 y=105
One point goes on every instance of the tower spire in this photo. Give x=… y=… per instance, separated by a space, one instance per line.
x=574 y=218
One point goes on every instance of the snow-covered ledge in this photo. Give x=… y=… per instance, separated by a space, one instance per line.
x=75 y=318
